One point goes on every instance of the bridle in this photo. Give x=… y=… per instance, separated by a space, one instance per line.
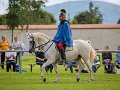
x=34 y=46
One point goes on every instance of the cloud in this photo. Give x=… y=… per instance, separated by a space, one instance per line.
x=3 y=6
x=52 y=2
x=4 y=3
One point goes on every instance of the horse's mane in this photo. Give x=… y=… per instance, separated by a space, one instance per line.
x=45 y=36
x=41 y=36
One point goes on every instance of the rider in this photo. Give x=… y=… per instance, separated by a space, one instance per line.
x=63 y=36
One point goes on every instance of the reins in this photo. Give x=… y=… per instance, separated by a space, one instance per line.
x=48 y=48
x=43 y=45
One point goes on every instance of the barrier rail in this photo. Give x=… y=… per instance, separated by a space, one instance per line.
x=21 y=51
x=112 y=51
x=20 y=59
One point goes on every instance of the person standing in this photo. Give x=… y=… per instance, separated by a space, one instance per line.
x=63 y=36
x=4 y=45
x=17 y=45
x=117 y=61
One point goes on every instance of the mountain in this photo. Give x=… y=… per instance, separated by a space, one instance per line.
x=110 y=12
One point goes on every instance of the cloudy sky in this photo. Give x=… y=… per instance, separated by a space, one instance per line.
x=52 y=2
x=4 y=3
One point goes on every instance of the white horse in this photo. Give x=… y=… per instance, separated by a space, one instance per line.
x=81 y=49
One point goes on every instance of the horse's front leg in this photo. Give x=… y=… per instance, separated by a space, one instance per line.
x=56 y=71
x=42 y=72
x=48 y=62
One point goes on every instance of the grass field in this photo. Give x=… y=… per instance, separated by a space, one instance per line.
x=32 y=80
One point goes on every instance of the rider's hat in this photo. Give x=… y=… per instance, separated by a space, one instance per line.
x=63 y=12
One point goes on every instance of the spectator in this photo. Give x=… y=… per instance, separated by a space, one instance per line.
x=107 y=60
x=73 y=64
x=40 y=59
x=96 y=63
x=4 y=45
x=106 y=55
x=70 y=65
x=10 y=59
x=17 y=45
x=117 y=61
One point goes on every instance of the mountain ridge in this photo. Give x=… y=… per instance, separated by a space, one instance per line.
x=110 y=12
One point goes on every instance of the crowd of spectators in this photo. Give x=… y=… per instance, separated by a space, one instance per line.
x=10 y=57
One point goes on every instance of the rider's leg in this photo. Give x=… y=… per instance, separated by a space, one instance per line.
x=62 y=47
x=63 y=56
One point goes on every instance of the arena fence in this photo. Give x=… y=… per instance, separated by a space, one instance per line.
x=20 y=58
x=22 y=51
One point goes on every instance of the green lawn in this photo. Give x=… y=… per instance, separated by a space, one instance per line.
x=32 y=80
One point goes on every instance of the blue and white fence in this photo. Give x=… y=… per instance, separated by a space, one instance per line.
x=21 y=51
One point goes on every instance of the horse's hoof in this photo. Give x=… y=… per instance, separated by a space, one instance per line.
x=78 y=79
x=92 y=79
x=57 y=80
x=44 y=79
x=89 y=80
x=65 y=69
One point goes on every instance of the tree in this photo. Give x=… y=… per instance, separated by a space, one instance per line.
x=26 y=12
x=31 y=13
x=2 y=20
x=38 y=15
x=118 y=21
x=92 y=16
x=12 y=18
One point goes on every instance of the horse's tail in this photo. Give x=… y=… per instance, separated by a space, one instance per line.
x=92 y=52
x=92 y=55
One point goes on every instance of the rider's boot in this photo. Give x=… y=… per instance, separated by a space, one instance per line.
x=63 y=56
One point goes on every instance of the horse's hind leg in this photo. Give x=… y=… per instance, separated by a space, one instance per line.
x=78 y=71
x=90 y=69
x=56 y=71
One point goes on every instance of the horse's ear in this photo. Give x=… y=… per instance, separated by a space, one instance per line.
x=28 y=35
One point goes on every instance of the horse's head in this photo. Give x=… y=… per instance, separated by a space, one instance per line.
x=31 y=43
x=37 y=39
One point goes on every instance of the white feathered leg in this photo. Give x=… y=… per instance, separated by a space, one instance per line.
x=56 y=71
x=48 y=62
